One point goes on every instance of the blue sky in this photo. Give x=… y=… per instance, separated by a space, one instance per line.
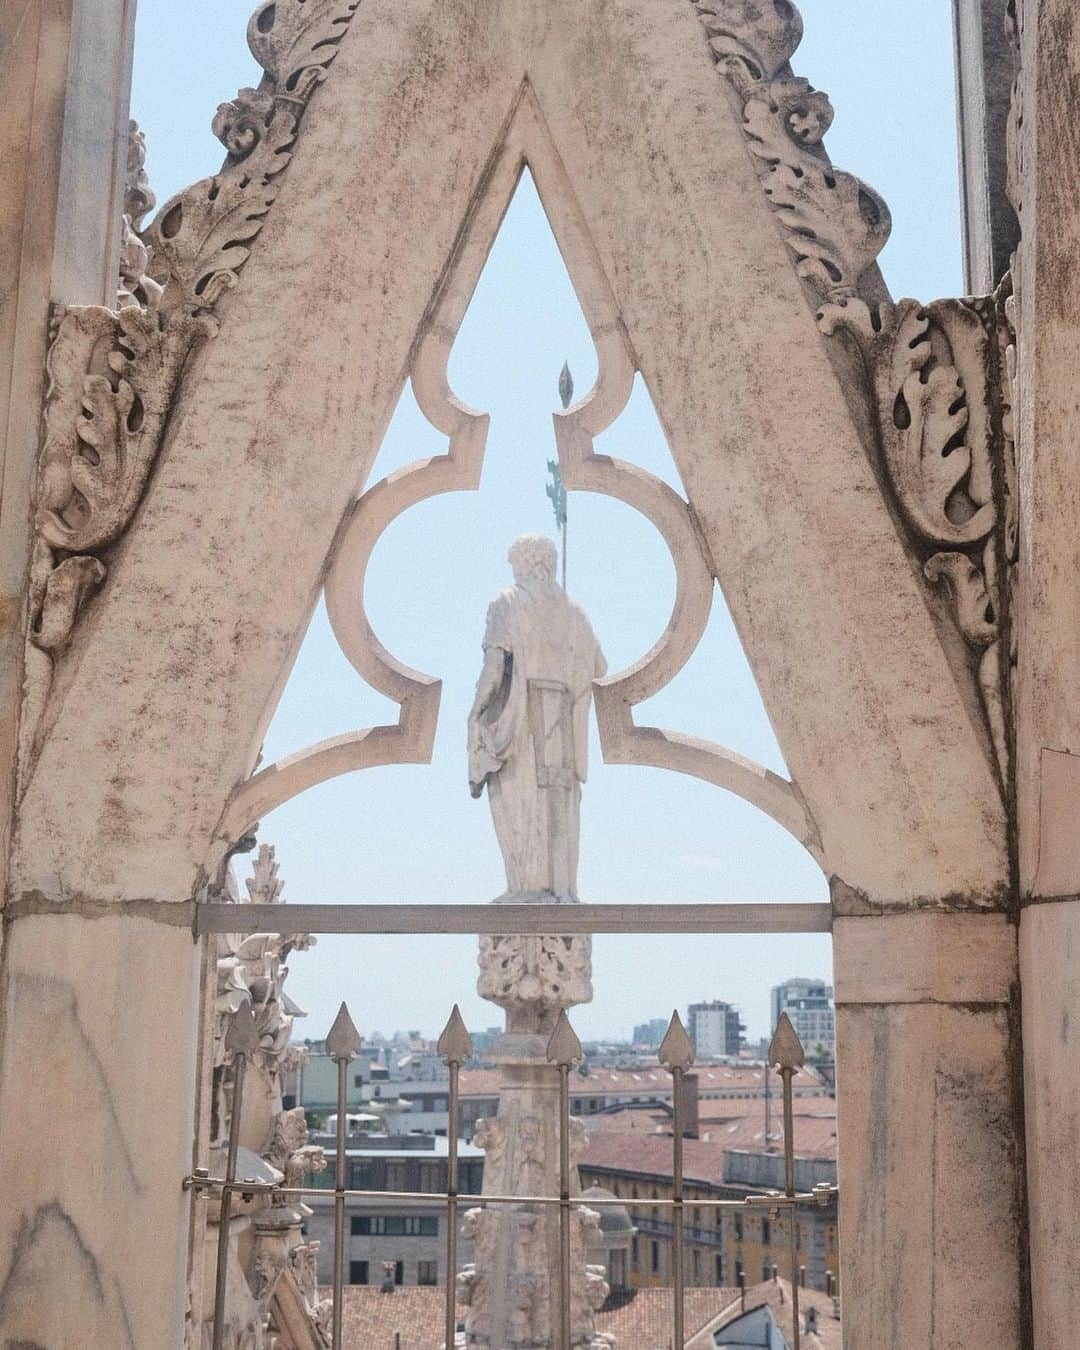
x=413 y=833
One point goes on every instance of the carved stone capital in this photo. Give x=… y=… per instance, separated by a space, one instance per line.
x=538 y=973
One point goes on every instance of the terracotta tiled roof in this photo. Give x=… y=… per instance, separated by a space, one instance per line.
x=777 y=1294
x=371 y=1319
x=639 y=1320
x=634 y=1147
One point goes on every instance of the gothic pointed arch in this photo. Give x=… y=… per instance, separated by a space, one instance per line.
x=716 y=243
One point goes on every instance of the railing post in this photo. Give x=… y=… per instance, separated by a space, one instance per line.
x=786 y=1053
x=676 y=1054
x=241 y=1041
x=455 y=1045
x=343 y=1044
x=564 y=1049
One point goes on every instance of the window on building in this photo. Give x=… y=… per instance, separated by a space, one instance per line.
x=427 y=1272
x=766 y=1272
x=432 y=1178
x=358 y=1272
x=397 y=1176
x=634 y=1250
x=697 y=1266
x=738 y=1272
x=766 y=1231
x=719 y=1271
x=359 y=1225
x=399 y=1272
x=738 y=1222
x=361 y=1176
x=654 y=1256
x=358 y=1080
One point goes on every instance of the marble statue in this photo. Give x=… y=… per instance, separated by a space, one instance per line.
x=528 y=728
x=528 y=739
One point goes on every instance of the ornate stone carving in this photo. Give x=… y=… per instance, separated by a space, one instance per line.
x=835 y=224
x=136 y=287
x=277 y=1266
x=201 y=238
x=936 y=382
x=545 y=972
x=113 y=374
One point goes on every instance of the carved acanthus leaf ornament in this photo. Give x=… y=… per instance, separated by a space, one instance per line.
x=834 y=224
x=936 y=376
x=936 y=381
x=113 y=374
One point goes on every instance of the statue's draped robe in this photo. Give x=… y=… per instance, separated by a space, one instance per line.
x=530 y=743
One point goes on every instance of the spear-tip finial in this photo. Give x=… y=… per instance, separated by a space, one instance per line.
x=455 y=1044
x=785 y=1049
x=343 y=1041
x=676 y=1049
x=242 y=1036
x=566 y=385
x=564 y=1048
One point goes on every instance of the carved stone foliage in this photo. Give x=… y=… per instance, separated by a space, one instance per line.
x=936 y=382
x=136 y=288
x=543 y=972
x=277 y=1265
x=201 y=238
x=113 y=374
x=834 y=224
x=935 y=378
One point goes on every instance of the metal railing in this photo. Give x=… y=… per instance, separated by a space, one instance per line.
x=343 y=1043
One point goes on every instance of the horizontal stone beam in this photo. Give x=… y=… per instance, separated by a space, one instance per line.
x=552 y=918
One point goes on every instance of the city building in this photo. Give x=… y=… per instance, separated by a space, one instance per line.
x=410 y=1239
x=716 y=1029
x=809 y=1005
x=650 y=1033
x=631 y=1156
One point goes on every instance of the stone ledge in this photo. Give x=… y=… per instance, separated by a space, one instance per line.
x=925 y=957
x=850 y=902
x=173 y=913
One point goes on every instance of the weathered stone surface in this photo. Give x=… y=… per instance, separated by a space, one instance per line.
x=848 y=659
x=1043 y=183
x=927 y=1171
x=95 y=1143
x=63 y=126
x=1049 y=955
x=924 y=958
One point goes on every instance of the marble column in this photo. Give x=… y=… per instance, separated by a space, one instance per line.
x=63 y=141
x=512 y=1290
x=1047 y=620
x=930 y=1207
x=984 y=75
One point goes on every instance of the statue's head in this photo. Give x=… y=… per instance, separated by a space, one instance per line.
x=533 y=558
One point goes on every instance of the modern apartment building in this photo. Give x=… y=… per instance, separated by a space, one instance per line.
x=715 y=1028
x=809 y=1005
